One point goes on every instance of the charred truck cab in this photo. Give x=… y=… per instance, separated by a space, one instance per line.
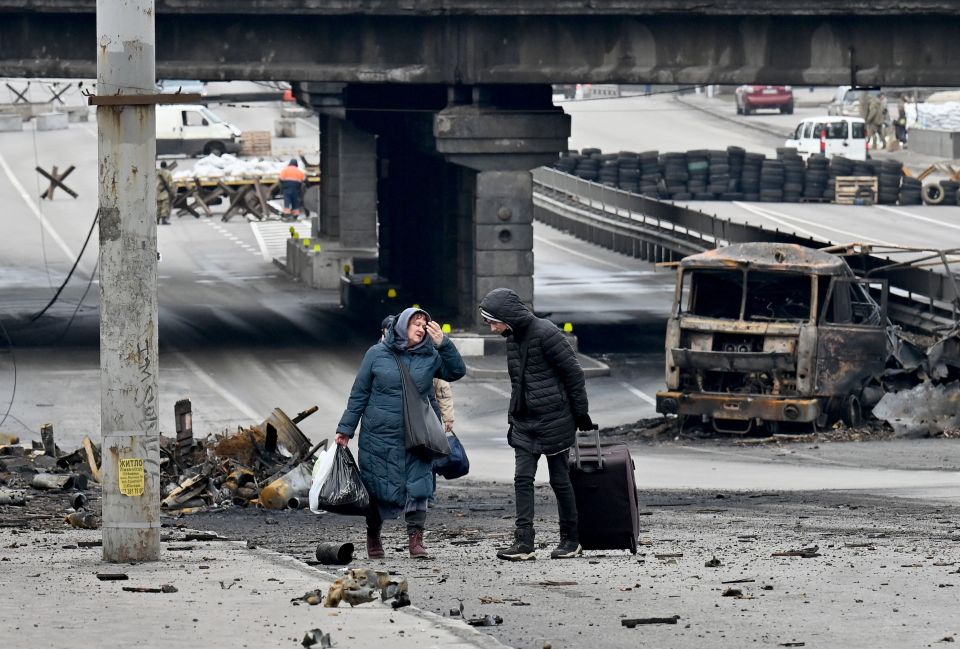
x=772 y=334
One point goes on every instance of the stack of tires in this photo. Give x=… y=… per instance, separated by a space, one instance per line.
x=736 y=155
x=609 y=174
x=650 y=176
x=910 y=189
x=588 y=168
x=888 y=182
x=675 y=175
x=793 y=172
x=839 y=166
x=815 y=178
x=862 y=168
x=940 y=193
x=629 y=168
x=567 y=162
x=771 y=181
x=750 y=176
x=698 y=167
x=719 y=170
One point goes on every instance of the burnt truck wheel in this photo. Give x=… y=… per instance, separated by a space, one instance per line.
x=215 y=148
x=852 y=411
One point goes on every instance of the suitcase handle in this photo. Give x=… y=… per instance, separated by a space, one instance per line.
x=576 y=447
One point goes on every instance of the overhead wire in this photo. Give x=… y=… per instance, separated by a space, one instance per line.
x=66 y=280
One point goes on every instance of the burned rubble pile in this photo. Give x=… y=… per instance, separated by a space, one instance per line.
x=267 y=465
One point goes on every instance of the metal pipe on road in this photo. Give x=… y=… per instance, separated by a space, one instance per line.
x=126 y=67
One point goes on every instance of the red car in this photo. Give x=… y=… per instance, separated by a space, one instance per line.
x=751 y=98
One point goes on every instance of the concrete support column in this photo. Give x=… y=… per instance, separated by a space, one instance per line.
x=129 y=397
x=358 y=187
x=503 y=236
x=329 y=222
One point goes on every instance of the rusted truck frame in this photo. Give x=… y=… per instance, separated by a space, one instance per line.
x=772 y=334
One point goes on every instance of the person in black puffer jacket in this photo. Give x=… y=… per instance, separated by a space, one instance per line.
x=548 y=404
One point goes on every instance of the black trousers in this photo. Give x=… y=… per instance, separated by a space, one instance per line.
x=526 y=469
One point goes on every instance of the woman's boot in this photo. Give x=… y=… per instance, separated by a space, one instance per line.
x=417 y=551
x=374 y=544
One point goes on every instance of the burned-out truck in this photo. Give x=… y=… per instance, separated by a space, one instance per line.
x=774 y=335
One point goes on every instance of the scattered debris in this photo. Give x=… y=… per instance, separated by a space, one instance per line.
x=712 y=563
x=16 y=498
x=733 y=592
x=335 y=553
x=82 y=520
x=806 y=553
x=669 y=555
x=360 y=585
x=486 y=620
x=112 y=576
x=631 y=622
x=793 y=644
x=923 y=410
x=316 y=638
x=738 y=581
x=165 y=588
x=311 y=597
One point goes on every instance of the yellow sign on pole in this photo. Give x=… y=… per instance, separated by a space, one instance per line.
x=132 y=476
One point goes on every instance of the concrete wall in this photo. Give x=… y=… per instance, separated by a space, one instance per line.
x=943 y=144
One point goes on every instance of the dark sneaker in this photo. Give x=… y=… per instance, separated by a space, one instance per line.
x=567 y=549
x=522 y=548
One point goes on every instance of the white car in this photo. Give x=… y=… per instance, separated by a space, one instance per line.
x=832 y=136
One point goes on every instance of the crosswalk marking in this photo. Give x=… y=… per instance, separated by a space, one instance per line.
x=272 y=236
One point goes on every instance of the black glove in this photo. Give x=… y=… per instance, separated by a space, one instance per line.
x=584 y=422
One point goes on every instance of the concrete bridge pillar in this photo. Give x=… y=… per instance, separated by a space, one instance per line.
x=498 y=147
x=348 y=184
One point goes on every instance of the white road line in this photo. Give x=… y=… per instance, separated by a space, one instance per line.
x=643 y=396
x=264 y=253
x=209 y=381
x=496 y=389
x=772 y=215
x=576 y=253
x=36 y=211
x=942 y=224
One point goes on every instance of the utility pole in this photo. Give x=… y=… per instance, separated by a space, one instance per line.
x=126 y=138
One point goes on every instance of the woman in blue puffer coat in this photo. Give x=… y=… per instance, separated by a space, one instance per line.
x=397 y=480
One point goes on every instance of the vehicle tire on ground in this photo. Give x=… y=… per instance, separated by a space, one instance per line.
x=214 y=147
x=787 y=110
x=933 y=194
x=852 y=412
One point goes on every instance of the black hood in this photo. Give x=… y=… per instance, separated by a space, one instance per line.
x=507 y=307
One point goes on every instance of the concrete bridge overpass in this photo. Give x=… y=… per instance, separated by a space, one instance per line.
x=433 y=111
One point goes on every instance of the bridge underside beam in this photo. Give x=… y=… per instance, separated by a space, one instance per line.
x=902 y=50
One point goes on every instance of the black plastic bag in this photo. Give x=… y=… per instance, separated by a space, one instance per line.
x=343 y=491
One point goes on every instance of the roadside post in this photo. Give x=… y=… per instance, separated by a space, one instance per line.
x=129 y=425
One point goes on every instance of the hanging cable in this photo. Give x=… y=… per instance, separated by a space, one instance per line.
x=53 y=300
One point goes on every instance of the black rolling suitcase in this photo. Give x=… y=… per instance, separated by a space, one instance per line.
x=606 y=493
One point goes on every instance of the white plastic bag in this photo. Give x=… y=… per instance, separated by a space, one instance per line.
x=321 y=469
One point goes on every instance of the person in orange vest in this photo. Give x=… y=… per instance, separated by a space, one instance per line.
x=291 y=182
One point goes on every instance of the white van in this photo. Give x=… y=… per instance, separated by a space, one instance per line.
x=831 y=136
x=194 y=130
